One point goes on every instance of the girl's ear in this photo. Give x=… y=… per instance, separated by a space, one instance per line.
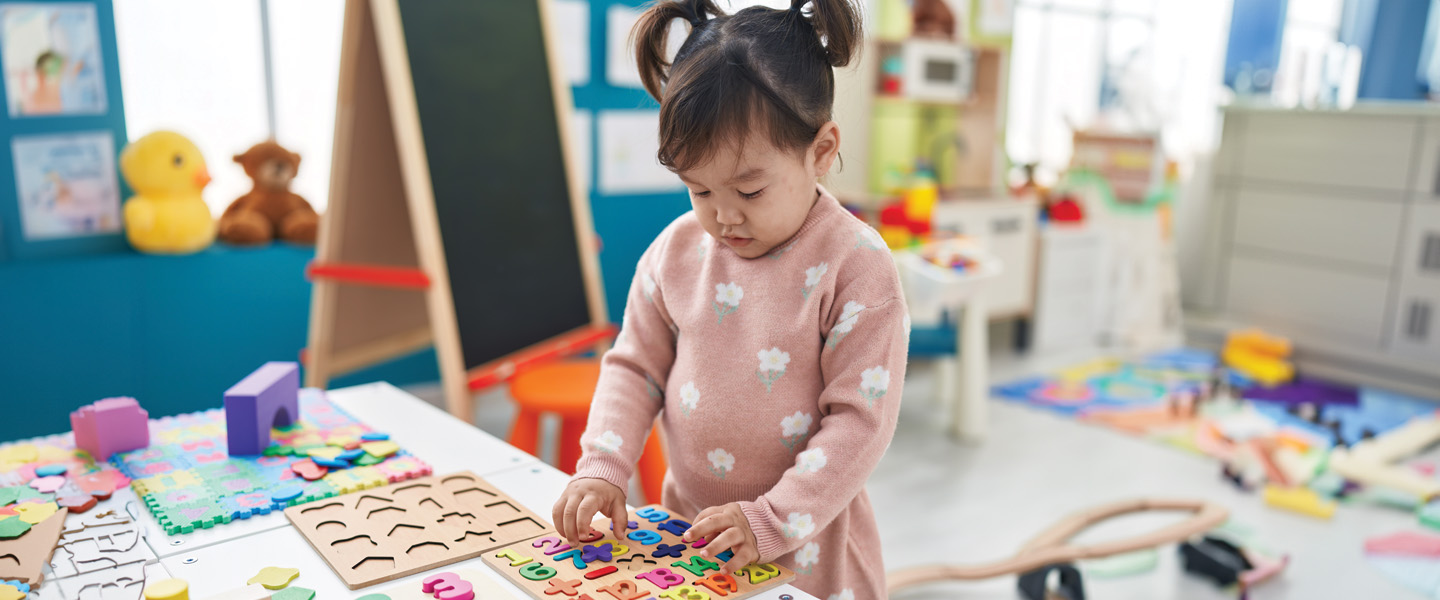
x=824 y=148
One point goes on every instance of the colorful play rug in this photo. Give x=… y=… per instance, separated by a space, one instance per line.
x=1277 y=440
x=188 y=480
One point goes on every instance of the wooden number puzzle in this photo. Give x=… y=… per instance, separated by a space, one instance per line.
x=381 y=534
x=188 y=480
x=651 y=562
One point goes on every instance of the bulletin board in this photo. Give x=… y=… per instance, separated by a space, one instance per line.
x=61 y=129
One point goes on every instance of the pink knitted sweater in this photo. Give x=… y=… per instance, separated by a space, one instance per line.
x=777 y=383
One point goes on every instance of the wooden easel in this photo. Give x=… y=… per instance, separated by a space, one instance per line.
x=382 y=287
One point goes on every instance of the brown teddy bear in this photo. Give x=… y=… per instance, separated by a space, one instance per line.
x=270 y=210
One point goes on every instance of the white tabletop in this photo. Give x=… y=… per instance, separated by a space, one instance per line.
x=221 y=559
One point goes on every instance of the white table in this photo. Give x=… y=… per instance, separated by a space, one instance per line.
x=221 y=559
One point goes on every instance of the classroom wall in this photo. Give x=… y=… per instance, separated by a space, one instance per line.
x=174 y=332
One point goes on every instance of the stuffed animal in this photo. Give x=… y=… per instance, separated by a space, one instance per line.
x=270 y=210
x=166 y=215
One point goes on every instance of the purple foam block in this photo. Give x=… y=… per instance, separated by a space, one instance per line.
x=269 y=397
x=1306 y=391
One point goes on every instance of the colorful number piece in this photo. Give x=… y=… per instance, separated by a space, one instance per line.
x=719 y=583
x=652 y=514
x=697 y=565
x=591 y=536
x=725 y=556
x=555 y=545
x=537 y=571
x=685 y=592
x=624 y=590
x=448 y=586
x=601 y=572
x=760 y=573
x=645 y=537
x=668 y=551
x=561 y=586
x=274 y=578
x=663 y=578
x=576 y=557
x=515 y=558
x=602 y=553
x=629 y=524
x=674 y=526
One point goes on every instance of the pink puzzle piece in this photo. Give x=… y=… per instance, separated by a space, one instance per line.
x=102 y=484
x=1404 y=543
x=48 y=485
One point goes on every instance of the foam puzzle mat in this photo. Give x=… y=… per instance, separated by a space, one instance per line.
x=188 y=481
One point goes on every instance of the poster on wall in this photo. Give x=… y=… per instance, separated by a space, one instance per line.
x=52 y=59
x=66 y=184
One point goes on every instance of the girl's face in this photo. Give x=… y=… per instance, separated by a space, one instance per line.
x=757 y=198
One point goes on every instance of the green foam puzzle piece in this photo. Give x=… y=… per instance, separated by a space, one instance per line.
x=11 y=494
x=13 y=527
x=366 y=460
x=186 y=517
x=293 y=593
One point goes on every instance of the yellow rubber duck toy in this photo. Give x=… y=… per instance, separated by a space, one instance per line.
x=167 y=214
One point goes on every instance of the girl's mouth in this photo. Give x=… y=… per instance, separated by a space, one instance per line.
x=738 y=242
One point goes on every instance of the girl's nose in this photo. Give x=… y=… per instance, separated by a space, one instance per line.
x=728 y=216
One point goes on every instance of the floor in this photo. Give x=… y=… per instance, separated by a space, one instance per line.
x=941 y=501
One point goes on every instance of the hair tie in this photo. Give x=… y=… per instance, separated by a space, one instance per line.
x=697 y=12
x=797 y=7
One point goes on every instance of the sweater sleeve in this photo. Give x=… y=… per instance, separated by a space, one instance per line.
x=630 y=392
x=863 y=365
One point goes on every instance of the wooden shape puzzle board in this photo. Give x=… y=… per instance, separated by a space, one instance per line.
x=380 y=534
x=651 y=562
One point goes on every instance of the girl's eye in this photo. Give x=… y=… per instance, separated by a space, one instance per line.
x=702 y=194
x=752 y=195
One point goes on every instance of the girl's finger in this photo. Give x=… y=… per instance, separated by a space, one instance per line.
x=584 y=515
x=730 y=539
x=558 y=512
x=739 y=561
x=705 y=527
x=618 y=517
x=566 y=506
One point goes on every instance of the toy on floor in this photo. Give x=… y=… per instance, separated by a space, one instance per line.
x=1052 y=546
x=482 y=586
x=189 y=482
x=1371 y=462
x=105 y=550
x=166 y=215
x=109 y=426
x=402 y=529
x=168 y=589
x=270 y=210
x=1259 y=356
x=26 y=554
x=652 y=559
x=268 y=397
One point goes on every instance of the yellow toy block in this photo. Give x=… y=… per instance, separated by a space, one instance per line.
x=1301 y=500
x=1260 y=342
x=168 y=589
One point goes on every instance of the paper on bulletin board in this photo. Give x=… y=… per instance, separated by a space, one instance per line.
x=620 y=69
x=629 y=140
x=571 y=28
x=994 y=21
x=66 y=185
x=580 y=148
x=52 y=59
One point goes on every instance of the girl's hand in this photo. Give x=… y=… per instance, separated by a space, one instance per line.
x=580 y=502
x=727 y=529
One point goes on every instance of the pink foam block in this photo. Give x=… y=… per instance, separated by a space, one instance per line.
x=1406 y=543
x=109 y=426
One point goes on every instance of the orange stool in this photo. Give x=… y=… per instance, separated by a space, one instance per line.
x=566 y=388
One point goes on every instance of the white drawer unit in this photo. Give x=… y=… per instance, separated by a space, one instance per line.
x=1415 y=317
x=1007 y=228
x=1329 y=305
x=1327 y=231
x=1328 y=149
x=1347 y=229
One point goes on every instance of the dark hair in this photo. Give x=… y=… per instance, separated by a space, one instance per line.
x=759 y=66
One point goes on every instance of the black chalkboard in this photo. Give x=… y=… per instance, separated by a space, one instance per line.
x=491 y=132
